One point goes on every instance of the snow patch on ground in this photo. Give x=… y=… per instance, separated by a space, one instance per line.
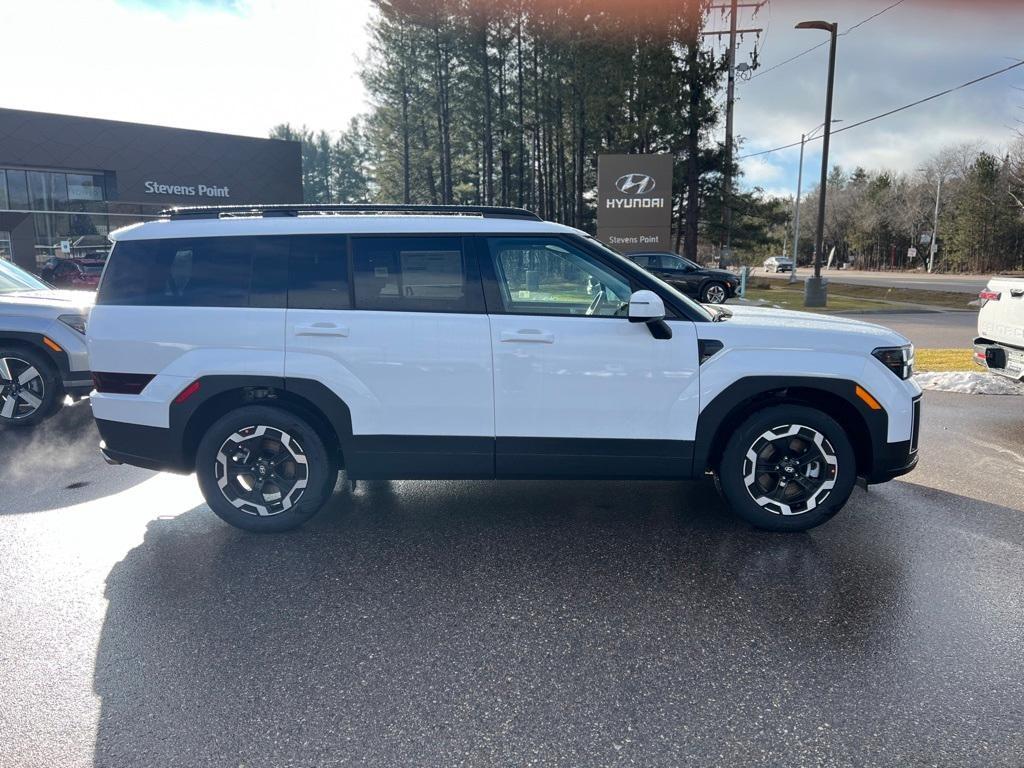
x=969 y=383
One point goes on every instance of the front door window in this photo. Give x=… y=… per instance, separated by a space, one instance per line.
x=547 y=276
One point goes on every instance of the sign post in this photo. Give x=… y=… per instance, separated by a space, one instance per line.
x=634 y=202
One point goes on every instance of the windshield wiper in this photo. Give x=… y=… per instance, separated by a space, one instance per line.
x=721 y=313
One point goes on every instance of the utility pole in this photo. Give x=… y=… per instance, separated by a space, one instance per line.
x=734 y=6
x=934 y=245
x=730 y=99
x=796 y=212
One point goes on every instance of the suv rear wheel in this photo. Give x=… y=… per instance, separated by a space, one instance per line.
x=30 y=390
x=264 y=469
x=787 y=468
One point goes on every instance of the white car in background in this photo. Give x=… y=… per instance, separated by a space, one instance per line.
x=999 y=346
x=778 y=264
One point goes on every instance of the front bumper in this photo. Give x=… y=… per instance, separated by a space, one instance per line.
x=891 y=460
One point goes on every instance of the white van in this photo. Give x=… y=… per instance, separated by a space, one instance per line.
x=267 y=348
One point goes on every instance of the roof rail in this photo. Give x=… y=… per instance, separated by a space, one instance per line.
x=219 y=211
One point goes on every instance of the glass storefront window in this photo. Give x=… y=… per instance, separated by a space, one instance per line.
x=48 y=191
x=3 y=189
x=6 y=249
x=17 y=189
x=85 y=186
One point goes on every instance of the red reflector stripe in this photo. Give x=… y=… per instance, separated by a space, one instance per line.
x=121 y=383
x=187 y=392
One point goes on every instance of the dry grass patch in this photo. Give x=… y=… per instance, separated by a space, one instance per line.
x=944 y=360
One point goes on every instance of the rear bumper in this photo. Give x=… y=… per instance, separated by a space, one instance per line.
x=998 y=358
x=141 y=446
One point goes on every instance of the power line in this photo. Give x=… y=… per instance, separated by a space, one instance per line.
x=860 y=23
x=891 y=111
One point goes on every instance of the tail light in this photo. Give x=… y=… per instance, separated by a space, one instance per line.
x=987 y=296
x=121 y=383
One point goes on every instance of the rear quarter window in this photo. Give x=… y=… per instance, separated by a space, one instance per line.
x=196 y=272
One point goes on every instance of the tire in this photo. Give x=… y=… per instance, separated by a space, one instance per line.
x=714 y=293
x=814 y=447
x=30 y=389
x=255 y=434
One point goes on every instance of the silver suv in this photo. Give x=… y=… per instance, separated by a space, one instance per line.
x=42 y=347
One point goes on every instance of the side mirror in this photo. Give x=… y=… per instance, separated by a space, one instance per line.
x=645 y=307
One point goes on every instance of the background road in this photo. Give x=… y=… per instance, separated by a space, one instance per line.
x=920 y=280
x=510 y=623
x=935 y=330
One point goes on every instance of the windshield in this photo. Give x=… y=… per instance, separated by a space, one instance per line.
x=697 y=308
x=13 y=278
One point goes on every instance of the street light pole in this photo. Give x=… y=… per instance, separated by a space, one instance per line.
x=934 y=245
x=815 y=291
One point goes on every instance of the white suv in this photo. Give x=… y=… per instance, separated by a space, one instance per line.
x=267 y=348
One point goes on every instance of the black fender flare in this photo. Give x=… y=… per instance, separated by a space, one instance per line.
x=742 y=397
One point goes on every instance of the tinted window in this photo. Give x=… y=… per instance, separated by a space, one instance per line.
x=200 y=272
x=551 y=277
x=318 y=272
x=415 y=274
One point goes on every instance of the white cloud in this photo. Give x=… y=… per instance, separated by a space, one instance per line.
x=237 y=69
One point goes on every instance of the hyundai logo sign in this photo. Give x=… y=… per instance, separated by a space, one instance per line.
x=635 y=184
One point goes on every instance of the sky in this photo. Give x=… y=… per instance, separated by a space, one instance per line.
x=243 y=66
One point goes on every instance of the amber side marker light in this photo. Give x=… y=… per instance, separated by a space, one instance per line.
x=864 y=395
x=52 y=344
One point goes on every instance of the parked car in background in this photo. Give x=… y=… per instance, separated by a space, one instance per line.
x=42 y=347
x=710 y=286
x=778 y=264
x=999 y=346
x=82 y=274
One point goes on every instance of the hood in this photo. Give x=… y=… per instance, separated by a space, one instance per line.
x=45 y=302
x=723 y=273
x=786 y=329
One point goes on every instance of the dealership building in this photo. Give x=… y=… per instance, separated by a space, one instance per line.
x=66 y=182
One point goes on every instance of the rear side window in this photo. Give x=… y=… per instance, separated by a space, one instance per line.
x=415 y=274
x=318 y=272
x=196 y=272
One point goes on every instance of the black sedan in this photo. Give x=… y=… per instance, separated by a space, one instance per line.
x=709 y=286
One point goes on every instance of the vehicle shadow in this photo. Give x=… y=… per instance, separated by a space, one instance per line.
x=57 y=464
x=497 y=622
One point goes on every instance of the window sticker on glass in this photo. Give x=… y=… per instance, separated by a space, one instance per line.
x=432 y=274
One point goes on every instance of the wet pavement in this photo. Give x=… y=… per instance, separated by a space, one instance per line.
x=514 y=623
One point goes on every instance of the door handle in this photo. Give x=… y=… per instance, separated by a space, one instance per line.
x=320 y=329
x=529 y=335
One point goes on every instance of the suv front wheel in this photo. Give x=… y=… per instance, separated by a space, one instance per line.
x=264 y=469
x=30 y=389
x=787 y=468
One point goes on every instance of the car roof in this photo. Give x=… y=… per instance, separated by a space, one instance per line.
x=336 y=224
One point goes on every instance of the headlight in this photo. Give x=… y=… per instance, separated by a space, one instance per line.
x=74 y=321
x=899 y=360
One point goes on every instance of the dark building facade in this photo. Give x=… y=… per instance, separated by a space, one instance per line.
x=65 y=182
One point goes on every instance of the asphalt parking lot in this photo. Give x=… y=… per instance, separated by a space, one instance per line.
x=503 y=623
